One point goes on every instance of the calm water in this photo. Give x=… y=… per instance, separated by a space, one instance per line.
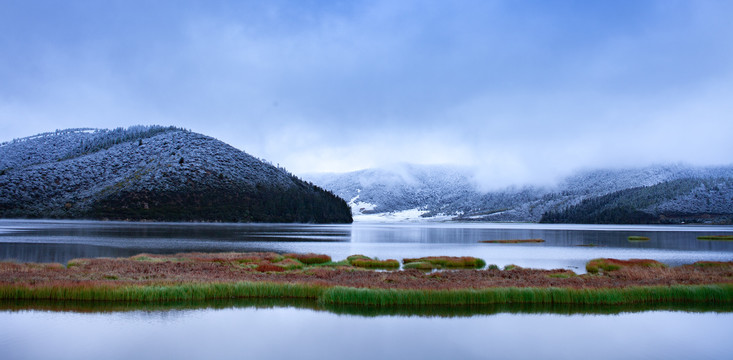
x=290 y=333
x=306 y=332
x=60 y=241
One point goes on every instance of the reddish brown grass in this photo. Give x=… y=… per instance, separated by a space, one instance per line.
x=596 y=265
x=310 y=259
x=200 y=268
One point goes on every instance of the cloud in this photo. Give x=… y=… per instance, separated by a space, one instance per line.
x=524 y=91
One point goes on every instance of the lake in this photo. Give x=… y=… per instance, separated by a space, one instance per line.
x=276 y=330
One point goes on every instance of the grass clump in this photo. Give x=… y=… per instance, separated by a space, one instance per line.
x=450 y=262
x=637 y=238
x=513 y=241
x=289 y=264
x=351 y=258
x=511 y=295
x=420 y=265
x=376 y=263
x=309 y=259
x=363 y=261
x=715 y=237
x=596 y=265
x=713 y=264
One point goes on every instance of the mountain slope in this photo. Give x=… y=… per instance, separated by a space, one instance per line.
x=152 y=173
x=442 y=192
x=682 y=200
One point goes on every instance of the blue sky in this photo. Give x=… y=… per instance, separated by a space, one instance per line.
x=526 y=91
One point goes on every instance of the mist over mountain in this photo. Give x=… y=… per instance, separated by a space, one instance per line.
x=152 y=173
x=653 y=194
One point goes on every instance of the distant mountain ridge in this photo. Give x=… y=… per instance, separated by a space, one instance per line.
x=674 y=193
x=152 y=173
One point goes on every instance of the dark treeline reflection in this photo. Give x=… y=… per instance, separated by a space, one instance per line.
x=364 y=311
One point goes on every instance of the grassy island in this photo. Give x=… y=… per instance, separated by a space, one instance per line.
x=513 y=241
x=209 y=276
x=638 y=238
x=715 y=237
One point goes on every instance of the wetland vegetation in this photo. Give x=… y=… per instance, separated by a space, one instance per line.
x=715 y=237
x=203 y=276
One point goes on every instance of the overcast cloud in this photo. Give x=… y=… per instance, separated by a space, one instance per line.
x=526 y=91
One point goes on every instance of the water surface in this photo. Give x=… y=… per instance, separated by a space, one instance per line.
x=292 y=333
x=566 y=246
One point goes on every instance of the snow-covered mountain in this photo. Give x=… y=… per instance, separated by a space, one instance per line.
x=155 y=173
x=445 y=192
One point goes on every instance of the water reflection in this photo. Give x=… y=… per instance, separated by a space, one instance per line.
x=302 y=333
x=565 y=246
x=355 y=310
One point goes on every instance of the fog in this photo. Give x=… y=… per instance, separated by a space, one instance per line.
x=525 y=92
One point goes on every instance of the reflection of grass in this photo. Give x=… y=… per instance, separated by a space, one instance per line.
x=513 y=241
x=448 y=311
x=715 y=237
x=638 y=238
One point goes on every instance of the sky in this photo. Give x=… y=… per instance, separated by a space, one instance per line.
x=522 y=91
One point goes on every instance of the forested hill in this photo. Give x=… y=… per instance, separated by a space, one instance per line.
x=684 y=200
x=153 y=173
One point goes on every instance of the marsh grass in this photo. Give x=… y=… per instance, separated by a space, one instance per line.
x=637 y=238
x=420 y=265
x=197 y=276
x=611 y=296
x=715 y=237
x=712 y=264
x=309 y=259
x=716 y=293
x=596 y=265
x=450 y=262
x=153 y=293
x=376 y=263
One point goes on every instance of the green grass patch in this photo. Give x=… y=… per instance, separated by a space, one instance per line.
x=420 y=265
x=637 y=238
x=716 y=293
x=713 y=264
x=450 y=262
x=309 y=259
x=376 y=263
x=357 y=257
x=715 y=237
x=551 y=295
x=606 y=265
